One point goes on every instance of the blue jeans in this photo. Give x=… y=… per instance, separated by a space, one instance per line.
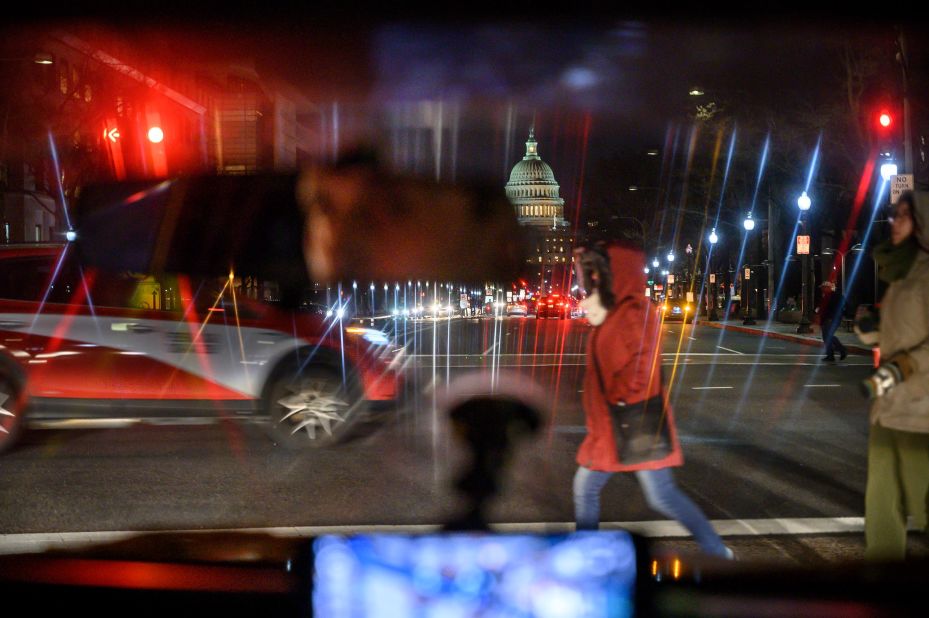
x=662 y=495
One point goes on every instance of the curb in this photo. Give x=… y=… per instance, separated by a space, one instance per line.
x=852 y=349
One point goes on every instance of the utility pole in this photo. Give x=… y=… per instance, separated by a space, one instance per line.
x=771 y=309
x=907 y=143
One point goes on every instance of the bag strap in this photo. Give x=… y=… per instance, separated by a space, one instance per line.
x=593 y=352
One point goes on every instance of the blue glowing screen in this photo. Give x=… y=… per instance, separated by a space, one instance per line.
x=580 y=575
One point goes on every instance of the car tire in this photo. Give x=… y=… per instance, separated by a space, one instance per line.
x=313 y=407
x=12 y=403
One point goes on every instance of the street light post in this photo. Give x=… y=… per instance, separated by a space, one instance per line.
x=711 y=274
x=804 y=203
x=747 y=320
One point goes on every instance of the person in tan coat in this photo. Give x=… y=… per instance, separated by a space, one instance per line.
x=898 y=445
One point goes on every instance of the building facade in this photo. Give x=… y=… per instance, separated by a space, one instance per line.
x=534 y=193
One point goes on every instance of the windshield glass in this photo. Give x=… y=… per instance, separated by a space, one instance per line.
x=244 y=265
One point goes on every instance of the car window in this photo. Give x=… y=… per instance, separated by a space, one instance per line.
x=25 y=278
x=355 y=214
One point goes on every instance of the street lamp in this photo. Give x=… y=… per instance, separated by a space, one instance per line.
x=711 y=285
x=747 y=320
x=888 y=170
x=804 y=203
x=670 y=256
x=655 y=263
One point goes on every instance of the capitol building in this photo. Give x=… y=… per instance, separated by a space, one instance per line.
x=534 y=193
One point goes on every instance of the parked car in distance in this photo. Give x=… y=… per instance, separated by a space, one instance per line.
x=517 y=309
x=675 y=309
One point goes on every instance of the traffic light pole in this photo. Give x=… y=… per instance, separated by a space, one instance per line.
x=907 y=144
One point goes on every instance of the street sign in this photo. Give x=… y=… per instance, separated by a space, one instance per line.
x=648 y=292
x=712 y=278
x=463 y=301
x=803 y=245
x=748 y=273
x=670 y=279
x=898 y=184
x=658 y=287
x=509 y=297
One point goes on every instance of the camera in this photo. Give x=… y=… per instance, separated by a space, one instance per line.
x=887 y=376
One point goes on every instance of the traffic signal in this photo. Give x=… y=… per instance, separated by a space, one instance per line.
x=156 y=135
x=885 y=129
x=885 y=119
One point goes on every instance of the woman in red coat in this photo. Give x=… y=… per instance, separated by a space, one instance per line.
x=624 y=369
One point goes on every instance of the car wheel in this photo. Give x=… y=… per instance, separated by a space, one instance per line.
x=12 y=404
x=312 y=408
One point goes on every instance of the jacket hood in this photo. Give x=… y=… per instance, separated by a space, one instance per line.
x=921 y=216
x=628 y=277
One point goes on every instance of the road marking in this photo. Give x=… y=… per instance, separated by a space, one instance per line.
x=710 y=388
x=80 y=423
x=692 y=338
x=35 y=542
x=821 y=385
x=728 y=350
x=122 y=423
x=665 y=363
x=488 y=350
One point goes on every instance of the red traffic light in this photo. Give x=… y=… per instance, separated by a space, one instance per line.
x=885 y=119
x=156 y=135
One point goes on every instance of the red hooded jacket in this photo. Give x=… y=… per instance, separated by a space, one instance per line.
x=628 y=350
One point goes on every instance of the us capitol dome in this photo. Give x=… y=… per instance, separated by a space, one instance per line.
x=533 y=190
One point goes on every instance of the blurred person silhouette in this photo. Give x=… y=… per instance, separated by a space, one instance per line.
x=488 y=415
x=630 y=424
x=830 y=316
x=898 y=443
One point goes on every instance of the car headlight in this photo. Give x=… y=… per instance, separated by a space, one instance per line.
x=370 y=335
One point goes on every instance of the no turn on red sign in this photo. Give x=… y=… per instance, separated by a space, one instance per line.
x=898 y=184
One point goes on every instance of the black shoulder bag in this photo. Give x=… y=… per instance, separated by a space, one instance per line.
x=639 y=429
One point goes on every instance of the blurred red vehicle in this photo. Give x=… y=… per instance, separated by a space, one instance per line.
x=79 y=343
x=555 y=306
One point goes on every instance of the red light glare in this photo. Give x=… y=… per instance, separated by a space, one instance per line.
x=885 y=119
x=156 y=135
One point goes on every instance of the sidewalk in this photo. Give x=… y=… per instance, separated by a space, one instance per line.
x=788 y=332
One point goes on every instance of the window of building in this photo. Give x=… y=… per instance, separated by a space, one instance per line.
x=38 y=232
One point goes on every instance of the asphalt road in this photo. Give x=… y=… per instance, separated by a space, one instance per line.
x=768 y=433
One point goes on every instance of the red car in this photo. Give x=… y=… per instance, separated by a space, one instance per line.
x=77 y=343
x=555 y=306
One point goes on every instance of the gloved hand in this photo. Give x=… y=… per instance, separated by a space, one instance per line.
x=887 y=376
x=866 y=327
